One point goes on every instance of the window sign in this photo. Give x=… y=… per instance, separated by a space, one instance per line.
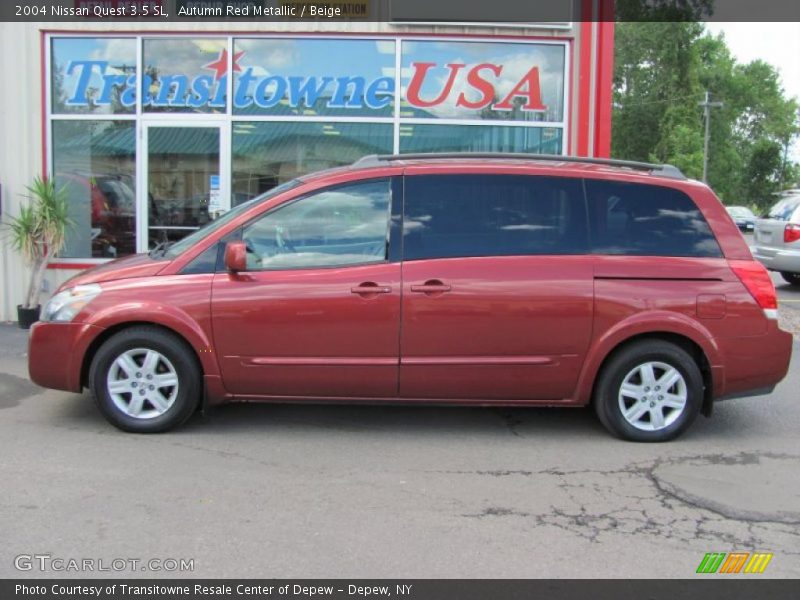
x=483 y=80
x=93 y=75
x=314 y=77
x=185 y=75
x=214 y=198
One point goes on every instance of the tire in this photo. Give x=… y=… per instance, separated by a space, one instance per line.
x=641 y=398
x=792 y=278
x=145 y=380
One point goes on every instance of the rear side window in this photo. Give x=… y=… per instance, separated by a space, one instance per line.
x=450 y=216
x=646 y=220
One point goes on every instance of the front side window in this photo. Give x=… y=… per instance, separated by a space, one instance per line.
x=339 y=226
x=449 y=216
x=647 y=220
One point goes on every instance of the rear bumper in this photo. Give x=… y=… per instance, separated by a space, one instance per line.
x=56 y=352
x=778 y=259
x=755 y=365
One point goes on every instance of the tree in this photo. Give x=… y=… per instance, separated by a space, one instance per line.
x=662 y=70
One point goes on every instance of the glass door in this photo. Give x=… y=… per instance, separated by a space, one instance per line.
x=183 y=184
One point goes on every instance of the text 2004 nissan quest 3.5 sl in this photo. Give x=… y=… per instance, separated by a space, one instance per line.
x=465 y=279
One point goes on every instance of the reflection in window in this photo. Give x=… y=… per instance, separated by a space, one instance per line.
x=93 y=75
x=449 y=216
x=479 y=138
x=182 y=175
x=95 y=161
x=346 y=225
x=267 y=154
x=185 y=75
x=314 y=77
x=646 y=220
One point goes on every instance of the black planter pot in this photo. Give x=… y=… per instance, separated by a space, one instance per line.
x=27 y=316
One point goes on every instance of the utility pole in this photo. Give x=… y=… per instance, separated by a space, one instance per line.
x=707 y=106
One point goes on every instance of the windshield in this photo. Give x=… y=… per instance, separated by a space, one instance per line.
x=740 y=211
x=784 y=209
x=212 y=226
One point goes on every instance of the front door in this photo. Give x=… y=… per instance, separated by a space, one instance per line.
x=317 y=313
x=182 y=188
x=497 y=287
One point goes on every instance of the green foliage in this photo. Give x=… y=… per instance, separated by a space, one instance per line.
x=39 y=231
x=661 y=73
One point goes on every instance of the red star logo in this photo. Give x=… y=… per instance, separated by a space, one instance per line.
x=221 y=64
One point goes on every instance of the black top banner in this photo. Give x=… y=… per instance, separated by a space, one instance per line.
x=399 y=11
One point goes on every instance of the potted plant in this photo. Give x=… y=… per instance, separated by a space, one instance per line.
x=39 y=234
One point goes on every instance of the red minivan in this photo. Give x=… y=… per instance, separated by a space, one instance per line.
x=489 y=280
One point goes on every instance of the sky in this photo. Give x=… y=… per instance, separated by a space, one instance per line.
x=775 y=43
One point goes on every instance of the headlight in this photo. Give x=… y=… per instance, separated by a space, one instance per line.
x=65 y=305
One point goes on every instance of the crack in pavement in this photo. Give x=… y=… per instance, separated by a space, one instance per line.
x=636 y=500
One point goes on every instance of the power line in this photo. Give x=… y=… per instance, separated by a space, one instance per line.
x=627 y=104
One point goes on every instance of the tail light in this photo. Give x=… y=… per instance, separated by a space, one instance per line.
x=758 y=282
x=791 y=233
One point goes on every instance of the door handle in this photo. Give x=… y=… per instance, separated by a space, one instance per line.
x=432 y=286
x=369 y=288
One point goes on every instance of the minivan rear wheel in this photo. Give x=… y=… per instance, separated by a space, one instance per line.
x=145 y=380
x=650 y=391
x=792 y=278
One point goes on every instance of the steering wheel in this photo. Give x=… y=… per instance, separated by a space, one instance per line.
x=283 y=243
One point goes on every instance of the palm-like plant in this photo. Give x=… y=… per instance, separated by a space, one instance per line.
x=39 y=232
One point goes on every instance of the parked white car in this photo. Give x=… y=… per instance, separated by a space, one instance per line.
x=777 y=238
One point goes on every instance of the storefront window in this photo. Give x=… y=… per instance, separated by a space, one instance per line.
x=185 y=75
x=479 y=138
x=483 y=80
x=93 y=75
x=267 y=154
x=314 y=77
x=95 y=161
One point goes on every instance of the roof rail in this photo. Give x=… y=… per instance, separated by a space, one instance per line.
x=655 y=169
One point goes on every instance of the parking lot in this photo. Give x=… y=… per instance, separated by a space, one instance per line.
x=344 y=491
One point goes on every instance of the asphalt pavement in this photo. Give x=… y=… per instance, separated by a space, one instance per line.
x=376 y=491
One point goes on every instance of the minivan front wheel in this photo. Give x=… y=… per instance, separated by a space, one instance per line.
x=650 y=391
x=145 y=380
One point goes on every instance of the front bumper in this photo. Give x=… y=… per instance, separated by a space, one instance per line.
x=56 y=352
x=778 y=260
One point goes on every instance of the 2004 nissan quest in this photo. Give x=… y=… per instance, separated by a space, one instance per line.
x=467 y=279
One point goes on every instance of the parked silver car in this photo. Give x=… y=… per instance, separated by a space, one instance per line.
x=743 y=217
x=777 y=238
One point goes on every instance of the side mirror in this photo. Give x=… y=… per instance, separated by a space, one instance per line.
x=235 y=257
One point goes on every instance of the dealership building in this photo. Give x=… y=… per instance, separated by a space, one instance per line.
x=154 y=128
